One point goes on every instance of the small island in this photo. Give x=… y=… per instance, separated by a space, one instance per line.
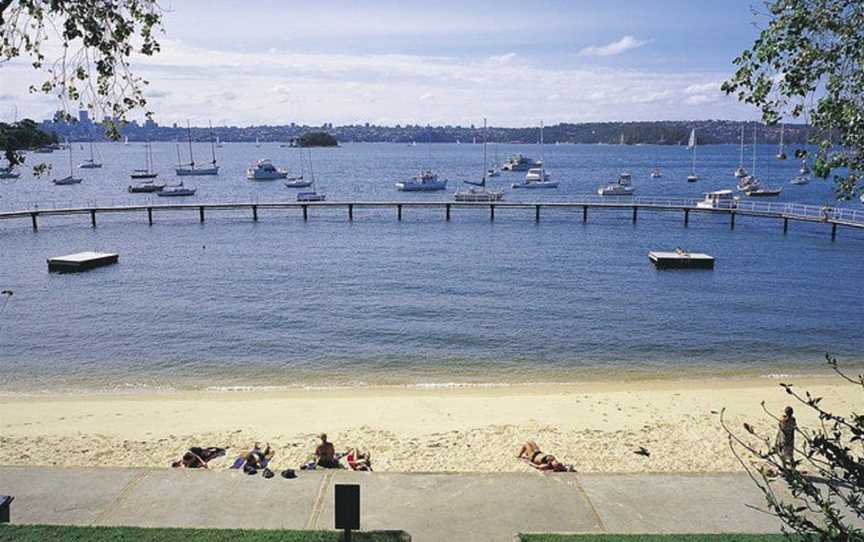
x=317 y=139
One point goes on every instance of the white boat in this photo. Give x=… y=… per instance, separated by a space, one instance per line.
x=494 y=171
x=656 y=174
x=805 y=168
x=297 y=182
x=719 y=199
x=616 y=189
x=91 y=162
x=537 y=177
x=69 y=179
x=762 y=192
x=518 y=162
x=312 y=195
x=145 y=187
x=188 y=170
x=425 y=181
x=126 y=141
x=264 y=170
x=218 y=143
x=479 y=193
x=781 y=153
x=691 y=144
x=147 y=172
x=175 y=190
x=257 y=144
x=750 y=184
x=800 y=179
x=741 y=171
x=625 y=178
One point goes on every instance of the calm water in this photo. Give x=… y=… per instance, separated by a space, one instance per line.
x=282 y=302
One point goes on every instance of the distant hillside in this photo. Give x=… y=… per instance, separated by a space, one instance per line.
x=633 y=133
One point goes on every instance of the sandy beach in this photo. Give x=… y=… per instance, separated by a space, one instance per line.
x=594 y=426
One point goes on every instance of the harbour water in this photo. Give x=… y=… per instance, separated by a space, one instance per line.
x=282 y=302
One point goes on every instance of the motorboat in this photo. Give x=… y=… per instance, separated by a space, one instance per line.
x=537 y=178
x=656 y=174
x=616 y=189
x=145 y=187
x=719 y=199
x=740 y=172
x=518 y=162
x=175 y=190
x=297 y=182
x=425 y=181
x=264 y=170
x=479 y=192
x=800 y=179
x=147 y=172
x=748 y=183
x=493 y=172
x=190 y=169
x=625 y=179
x=692 y=178
x=310 y=196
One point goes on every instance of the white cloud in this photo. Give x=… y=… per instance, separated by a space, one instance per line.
x=502 y=60
x=703 y=88
x=625 y=44
x=426 y=97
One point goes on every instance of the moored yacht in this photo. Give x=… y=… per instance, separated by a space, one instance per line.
x=425 y=181
x=145 y=187
x=479 y=193
x=537 y=177
x=175 y=190
x=90 y=163
x=622 y=187
x=147 y=172
x=518 y=162
x=719 y=199
x=190 y=169
x=264 y=170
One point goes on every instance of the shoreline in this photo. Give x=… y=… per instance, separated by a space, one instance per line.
x=596 y=426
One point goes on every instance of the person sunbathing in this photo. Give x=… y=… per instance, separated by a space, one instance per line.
x=358 y=459
x=258 y=459
x=197 y=458
x=325 y=454
x=535 y=457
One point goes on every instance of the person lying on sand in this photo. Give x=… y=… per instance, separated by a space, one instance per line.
x=358 y=459
x=532 y=455
x=197 y=458
x=325 y=454
x=258 y=459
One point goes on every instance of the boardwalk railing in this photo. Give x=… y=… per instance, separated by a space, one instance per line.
x=784 y=211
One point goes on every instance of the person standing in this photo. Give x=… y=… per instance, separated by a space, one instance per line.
x=786 y=437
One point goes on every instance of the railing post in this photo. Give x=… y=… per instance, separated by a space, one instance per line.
x=732 y=221
x=448 y=212
x=785 y=225
x=201 y=213
x=350 y=212
x=35 y=225
x=833 y=231
x=93 y=217
x=584 y=214
x=399 y=212
x=635 y=210
x=305 y=213
x=537 y=213
x=686 y=217
x=492 y=212
x=150 y=215
x=254 y=213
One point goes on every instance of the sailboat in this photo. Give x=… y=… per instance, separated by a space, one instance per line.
x=181 y=168
x=218 y=143
x=494 y=171
x=752 y=187
x=70 y=179
x=692 y=178
x=312 y=195
x=147 y=172
x=91 y=162
x=537 y=177
x=621 y=140
x=740 y=171
x=257 y=144
x=126 y=140
x=426 y=180
x=781 y=154
x=479 y=193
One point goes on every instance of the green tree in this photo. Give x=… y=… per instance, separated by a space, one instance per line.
x=97 y=40
x=808 y=62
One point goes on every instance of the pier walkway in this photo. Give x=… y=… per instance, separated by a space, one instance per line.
x=781 y=211
x=431 y=507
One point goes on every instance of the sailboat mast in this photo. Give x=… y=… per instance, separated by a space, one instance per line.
x=212 y=145
x=741 y=151
x=191 y=158
x=484 y=151
x=754 y=150
x=71 y=170
x=542 y=161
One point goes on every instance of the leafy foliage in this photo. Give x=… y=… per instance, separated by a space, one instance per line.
x=22 y=135
x=809 y=62
x=96 y=39
x=827 y=482
x=318 y=139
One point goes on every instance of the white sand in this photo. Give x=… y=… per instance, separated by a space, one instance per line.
x=595 y=426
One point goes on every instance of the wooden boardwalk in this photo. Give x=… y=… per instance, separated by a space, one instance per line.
x=782 y=211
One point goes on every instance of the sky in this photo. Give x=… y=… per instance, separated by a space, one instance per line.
x=445 y=62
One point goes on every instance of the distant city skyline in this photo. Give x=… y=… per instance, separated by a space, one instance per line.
x=451 y=63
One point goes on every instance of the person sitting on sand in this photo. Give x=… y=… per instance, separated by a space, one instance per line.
x=197 y=458
x=325 y=454
x=258 y=459
x=531 y=453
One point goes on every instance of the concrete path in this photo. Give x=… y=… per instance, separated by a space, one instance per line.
x=431 y=507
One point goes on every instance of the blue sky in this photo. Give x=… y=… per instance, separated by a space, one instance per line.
x=436 y=62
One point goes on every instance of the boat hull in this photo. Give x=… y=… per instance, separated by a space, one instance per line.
x=536 y=184
x=193 y=172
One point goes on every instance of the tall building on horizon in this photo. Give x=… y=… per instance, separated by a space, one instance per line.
x=83 y=116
